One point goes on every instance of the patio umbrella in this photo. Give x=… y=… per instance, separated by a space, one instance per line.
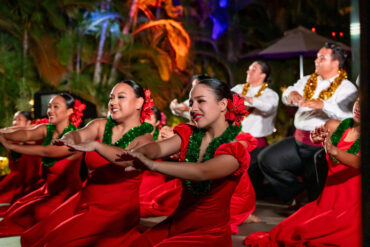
x=298 y=42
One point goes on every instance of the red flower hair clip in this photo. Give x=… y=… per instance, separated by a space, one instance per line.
x=147 y=111
x=75 y=117
x=236 y=110
x=40 y=121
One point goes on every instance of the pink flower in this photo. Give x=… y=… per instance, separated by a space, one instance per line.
x=163 y=119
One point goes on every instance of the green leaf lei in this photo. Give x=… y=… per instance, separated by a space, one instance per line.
x=46 y=161
x=338 y=133
x=156 y=134
x=192 y=154
x=127 y=138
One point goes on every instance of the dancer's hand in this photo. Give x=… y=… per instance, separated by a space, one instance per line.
x=176 y=156
x=246 y=98
x=140 y=161
x=83 y=147
x=319 y=134
x=60 y=142
x=313 y=104
x=329 y=147
x=166 y=132
x=294 y=98
x=181 y=107
x=66 y=140
x=174 y=102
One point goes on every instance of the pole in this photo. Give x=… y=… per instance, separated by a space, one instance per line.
x=300 y=66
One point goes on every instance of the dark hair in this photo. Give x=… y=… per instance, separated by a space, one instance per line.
x=265 y=68
x=221 y=89
x=70 y=101
x=138 y=89
x=157 y=113
x=26 y=114
x=337 y=53
x=200 y=77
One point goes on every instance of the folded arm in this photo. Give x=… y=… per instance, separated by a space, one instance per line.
x=24 y=134
x=50 y=151
x=209 y=170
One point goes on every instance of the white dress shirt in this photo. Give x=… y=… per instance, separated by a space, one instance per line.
x=261 y=121
x=184 y=114
x=338 y=106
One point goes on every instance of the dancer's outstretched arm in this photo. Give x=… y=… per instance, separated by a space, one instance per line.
x=211 y=169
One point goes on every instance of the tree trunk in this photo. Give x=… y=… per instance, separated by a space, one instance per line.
x=78 y=56
x=25 y=51
x=125 y=30
x=97 y=71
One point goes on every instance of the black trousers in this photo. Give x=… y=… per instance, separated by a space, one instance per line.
x=255 y=173
x=284 y=162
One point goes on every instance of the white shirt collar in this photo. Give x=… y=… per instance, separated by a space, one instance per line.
x=330 y=79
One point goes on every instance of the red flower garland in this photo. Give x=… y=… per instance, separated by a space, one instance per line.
x=147 y=111
x=236 y=110
x=78 y=108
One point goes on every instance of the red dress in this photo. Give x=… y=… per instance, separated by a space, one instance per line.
x=200 y=220
x=104 y=213
x=158 y=196
x=24 y=177
x=62 y=181
x=243 y=200
x=333 y=219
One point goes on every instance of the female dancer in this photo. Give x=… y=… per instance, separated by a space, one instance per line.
x=107 y=209
x=334 y=218
x=214 y=155
x=24 y=173
x=155 y=121
x=157 y=196
x=60 y=166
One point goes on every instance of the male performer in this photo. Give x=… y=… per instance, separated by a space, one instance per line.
x=262 y=103
x=324 y=95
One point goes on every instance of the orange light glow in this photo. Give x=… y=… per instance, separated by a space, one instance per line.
x=177 y=36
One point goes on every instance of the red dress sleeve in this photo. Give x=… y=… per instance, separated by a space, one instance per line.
x=249 y=139
x=184 y=131
x=239 y=151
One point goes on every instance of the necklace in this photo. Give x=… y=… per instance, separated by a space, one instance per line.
x=260 y=91
x=128 y=137
x=156 y=134
x=338 y=133
x=310 y=87
x=192 y=154
x=46 y=161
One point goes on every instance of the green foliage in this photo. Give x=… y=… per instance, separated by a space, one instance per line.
x=66 y=47
x=13 y=88
x=72 y=29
